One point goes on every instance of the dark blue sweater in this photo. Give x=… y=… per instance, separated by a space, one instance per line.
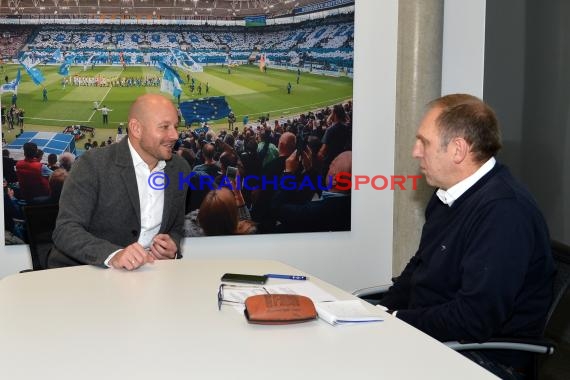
x=483 y=268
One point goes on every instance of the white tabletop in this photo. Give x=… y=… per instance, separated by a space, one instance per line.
x=162 y=322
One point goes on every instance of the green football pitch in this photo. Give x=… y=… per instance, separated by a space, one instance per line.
x=247 y=90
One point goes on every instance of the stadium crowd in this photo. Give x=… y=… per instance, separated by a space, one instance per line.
x=284 y=172
x=261 y=177
x=28 y=182
x=318 y=42
x=238 y=174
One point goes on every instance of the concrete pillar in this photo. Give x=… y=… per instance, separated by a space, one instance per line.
x=420 y=39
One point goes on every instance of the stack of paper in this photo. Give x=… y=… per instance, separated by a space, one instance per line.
x=344 y=312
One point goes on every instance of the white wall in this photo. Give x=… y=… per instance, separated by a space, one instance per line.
x=463 y=47
x=352 y=259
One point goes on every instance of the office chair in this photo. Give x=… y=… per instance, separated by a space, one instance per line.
x=40 y=223
x=561 y=255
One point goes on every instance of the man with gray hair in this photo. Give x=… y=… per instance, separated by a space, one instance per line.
x=66 y=160
x=484 y=267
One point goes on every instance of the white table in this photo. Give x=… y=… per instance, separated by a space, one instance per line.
x=162 y=322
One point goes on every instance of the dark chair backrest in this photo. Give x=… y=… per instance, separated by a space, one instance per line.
x=40 y=223
x=561 y=254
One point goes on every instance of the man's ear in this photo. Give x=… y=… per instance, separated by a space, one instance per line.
x=460 y=149
x=135 y=128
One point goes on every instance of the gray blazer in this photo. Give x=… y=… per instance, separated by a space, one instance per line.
x=99 y=209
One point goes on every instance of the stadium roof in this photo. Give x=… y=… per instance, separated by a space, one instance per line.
x=200 y=9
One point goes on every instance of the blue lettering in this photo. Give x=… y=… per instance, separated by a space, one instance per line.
x=325 y=187
x=265 y=182
x=225 y=182
x=246 y=184
x=209 y=182
x=306 y=182
x=185 y=180
x=286 y=184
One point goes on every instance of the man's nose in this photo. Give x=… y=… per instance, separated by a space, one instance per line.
x=417 y=151
x=173 y=135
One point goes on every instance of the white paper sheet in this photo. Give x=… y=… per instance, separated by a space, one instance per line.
x=346 y=312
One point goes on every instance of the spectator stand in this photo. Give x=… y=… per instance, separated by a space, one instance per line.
x=319 y=44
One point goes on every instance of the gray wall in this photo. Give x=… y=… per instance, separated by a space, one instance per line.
x=527 y=81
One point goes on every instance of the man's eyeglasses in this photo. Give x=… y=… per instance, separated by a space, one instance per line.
x=239 y=293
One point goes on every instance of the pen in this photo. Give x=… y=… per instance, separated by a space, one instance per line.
x=286 y=276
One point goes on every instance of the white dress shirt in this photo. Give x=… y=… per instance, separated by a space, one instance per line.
x=151 y=201
x=454 y=192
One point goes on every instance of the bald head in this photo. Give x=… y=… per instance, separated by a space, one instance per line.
x=152 y=128
x=148 y=103
x=287 y=143
x=342 y=163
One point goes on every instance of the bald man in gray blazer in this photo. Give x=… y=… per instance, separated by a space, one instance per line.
x=123 y=206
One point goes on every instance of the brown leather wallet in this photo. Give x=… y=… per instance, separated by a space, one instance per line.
x=279 y=309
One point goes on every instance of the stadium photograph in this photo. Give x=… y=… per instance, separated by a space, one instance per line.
x=262 y=89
